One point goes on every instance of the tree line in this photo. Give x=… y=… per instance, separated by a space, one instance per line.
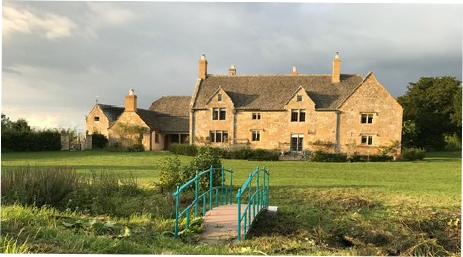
x=432 y=113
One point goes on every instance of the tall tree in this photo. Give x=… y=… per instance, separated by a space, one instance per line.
x=430 y=105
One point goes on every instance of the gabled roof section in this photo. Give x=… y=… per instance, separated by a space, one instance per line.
x=164 y=123
x=111 y=111
x=270 y=92
x=220 y=89
x=172 y=105
x=294 y=94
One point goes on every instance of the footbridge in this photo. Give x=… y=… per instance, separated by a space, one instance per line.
x=227 y=214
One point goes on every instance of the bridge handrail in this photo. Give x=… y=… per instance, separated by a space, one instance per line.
x=262 y=193
x=228 y=189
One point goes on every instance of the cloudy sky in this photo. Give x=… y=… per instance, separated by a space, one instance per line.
x=58 y=57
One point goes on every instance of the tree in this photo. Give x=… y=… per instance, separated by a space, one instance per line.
x=429 y=105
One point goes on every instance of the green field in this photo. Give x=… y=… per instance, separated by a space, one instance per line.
x=407 y=208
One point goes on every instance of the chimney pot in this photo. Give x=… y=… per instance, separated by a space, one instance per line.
x=294 y=72
x=232 y=70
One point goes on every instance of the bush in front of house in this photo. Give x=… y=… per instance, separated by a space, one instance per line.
x=183 y=149
x=320 y=156
x=99 y=141
x=369 y=158
x=244 y=153
x=413 y=154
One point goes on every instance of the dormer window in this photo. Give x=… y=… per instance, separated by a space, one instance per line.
x=299 y=98
x=96 y=118
x=219 y=97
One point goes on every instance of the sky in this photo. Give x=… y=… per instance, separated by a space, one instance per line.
x=60 y=58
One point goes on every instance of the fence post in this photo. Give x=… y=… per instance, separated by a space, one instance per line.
x=257 y=190
x=176 y=212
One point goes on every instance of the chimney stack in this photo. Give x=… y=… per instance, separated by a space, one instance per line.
x=336 y=76
x=294 y=72
x=131 y=102
x=232 y=70
x=202 y=67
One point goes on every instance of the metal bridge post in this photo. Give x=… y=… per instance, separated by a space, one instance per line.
x=196 y=194
x=210 y=187
x=238 y=197
x=221 y=189
x=176 y=212
x=231 y=187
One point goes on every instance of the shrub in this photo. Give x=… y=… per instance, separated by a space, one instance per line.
x=203 y=161
x=320 y=156
x=413 y=154
x=136 y=148
x=169 y=176
x=38 y=187
x=263 y=155
x=183 y=149
x=99 y=141
x=370 y=158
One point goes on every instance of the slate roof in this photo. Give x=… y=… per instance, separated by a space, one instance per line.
x=164 y=123
x=111 y=111
x=271 y=92
x=172 y=105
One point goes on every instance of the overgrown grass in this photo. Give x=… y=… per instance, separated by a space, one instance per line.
x=397 y=208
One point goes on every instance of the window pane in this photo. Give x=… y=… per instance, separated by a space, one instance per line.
x=302 y=115
x=299 y=144
x=223 y=113
x=212 y=136
x=215 y=114
x=364 y=119
x=219 y=97
x=370 y=118
x=364 y=139
x=370 y=140
x=218 y=136
x=294 y=114
x=225 y=136
x=299 y=98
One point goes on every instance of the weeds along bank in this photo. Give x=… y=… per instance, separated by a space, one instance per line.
x=399 y=208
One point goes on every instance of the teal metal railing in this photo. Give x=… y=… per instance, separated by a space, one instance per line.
x=256 y=191
x=223 y=195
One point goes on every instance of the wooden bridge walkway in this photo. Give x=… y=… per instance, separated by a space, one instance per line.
x=220 y=223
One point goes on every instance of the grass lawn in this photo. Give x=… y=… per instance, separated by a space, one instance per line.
x=324 y=208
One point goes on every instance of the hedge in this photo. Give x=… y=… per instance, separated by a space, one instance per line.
x=26 y=141
x=240 y=154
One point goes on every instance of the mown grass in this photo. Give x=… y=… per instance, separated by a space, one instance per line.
x=396 y=208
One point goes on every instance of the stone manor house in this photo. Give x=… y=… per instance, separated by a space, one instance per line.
x=284 y=112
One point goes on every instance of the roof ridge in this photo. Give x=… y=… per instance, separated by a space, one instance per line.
x=276 y=75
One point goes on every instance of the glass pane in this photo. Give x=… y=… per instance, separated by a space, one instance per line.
x=222 y=114
x=215 y=114
x=294 y=115
x=302 y=116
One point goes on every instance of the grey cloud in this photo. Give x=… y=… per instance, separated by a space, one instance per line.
x=154 y=47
